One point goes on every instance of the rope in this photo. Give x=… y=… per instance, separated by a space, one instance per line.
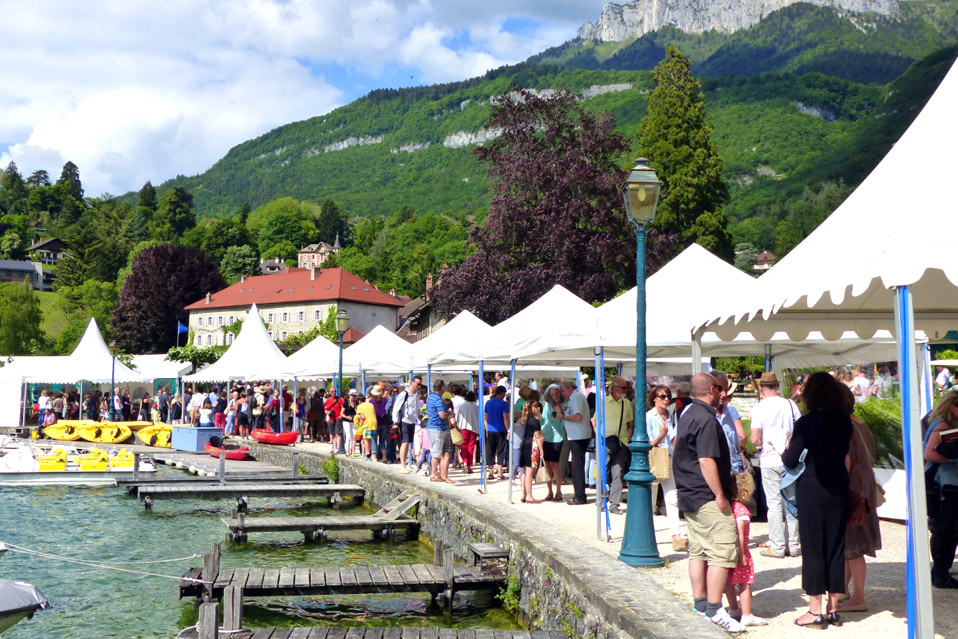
x=108 y=566
x=152 y=561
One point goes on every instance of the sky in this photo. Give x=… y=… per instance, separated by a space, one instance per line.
x=131 y=91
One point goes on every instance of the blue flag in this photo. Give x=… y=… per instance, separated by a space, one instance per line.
x=180 y=328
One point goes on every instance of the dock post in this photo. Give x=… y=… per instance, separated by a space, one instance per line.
x=448 y=573
x=437 y=552
x=222 y=467
x=295 y=465
x=136 y=466
x=233 y=608
x=211 y=570
x=206 y=627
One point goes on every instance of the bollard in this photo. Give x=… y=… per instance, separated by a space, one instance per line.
x=233 y=608
x=223 y=466
x=295 y=465
x=206 y=627
x=136 y=466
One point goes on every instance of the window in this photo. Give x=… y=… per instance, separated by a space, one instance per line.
x=219 y=320
x=199 y=340
x=285 y=317
x=285 y=335
x=229 y=338
x=318 y=314
x=232 y=319
x=199 y=321
x=269 y=318
x=270 y=334
x=209 y=320
x=301 y=316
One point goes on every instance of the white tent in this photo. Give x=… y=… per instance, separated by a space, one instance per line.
x=251 y=352
x=464 y=328
x=318 y=353
x=883 y=260
x=159 y=367
x=379 y=351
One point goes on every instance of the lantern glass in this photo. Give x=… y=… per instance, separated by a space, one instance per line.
x=342 y=321
x=641 y=192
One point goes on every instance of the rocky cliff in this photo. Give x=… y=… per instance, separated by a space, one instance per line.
x=620 y=22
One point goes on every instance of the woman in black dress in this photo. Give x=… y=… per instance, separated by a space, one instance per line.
x=530 y=426
x=822 y=495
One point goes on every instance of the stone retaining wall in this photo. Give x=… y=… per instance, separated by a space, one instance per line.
x=563 y=585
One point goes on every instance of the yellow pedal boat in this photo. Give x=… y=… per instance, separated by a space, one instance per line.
x=101 y=433
x=134 y=426
x=158 y=435
x=66 y=430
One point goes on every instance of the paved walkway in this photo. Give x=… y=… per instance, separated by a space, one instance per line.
x=778 y=594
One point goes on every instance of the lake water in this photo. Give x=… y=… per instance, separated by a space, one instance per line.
x=107 y=525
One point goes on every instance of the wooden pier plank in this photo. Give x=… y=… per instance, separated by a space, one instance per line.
x=332 y=578
x=348 y=578
x=318 y=633
x=363 y=576
x=379 y=578
x=396 y=577
x=410 y=633
x=287 y=578
x=271 y=579
x=281 y=633
x=301 y=578
x=422 y=573
x=240 y=575
x=255 y=579
x=301 y=632
x=355 y=633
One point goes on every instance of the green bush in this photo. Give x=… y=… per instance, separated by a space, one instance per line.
x=883 y=417
x=331 y=468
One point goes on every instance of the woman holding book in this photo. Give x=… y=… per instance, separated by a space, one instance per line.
x=941 y=466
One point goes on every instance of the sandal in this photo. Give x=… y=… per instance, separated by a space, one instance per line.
x=816 y=622
x=833 y=619
x=558 y=497
x=531 y=500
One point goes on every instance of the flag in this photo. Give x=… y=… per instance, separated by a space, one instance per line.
x=180 y=328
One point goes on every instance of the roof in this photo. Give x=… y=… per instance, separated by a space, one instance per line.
x=313 y=248
x=765 y=255
x=352 y=335
x=18 y=265
x=295 y=285
x=52 y=244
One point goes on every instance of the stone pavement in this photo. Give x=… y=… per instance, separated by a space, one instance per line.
x=778 y=594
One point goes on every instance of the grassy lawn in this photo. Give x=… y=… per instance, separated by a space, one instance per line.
x=54 y=319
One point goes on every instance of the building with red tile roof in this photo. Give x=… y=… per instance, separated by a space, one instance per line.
x=293 y=301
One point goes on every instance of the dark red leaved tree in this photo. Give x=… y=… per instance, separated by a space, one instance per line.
x=556 y=216
x=164 y=279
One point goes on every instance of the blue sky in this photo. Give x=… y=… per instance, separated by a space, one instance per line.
x=131 y=91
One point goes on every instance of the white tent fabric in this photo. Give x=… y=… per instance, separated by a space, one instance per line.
x=892 y=231
x=380 y=351
x=464 y=328
x=158 y=367
x=318 y=352
x=251 y=352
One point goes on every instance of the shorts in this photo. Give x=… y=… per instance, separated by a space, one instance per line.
x=408 y=432
x=713 y=536
x=496 y=448
x=336 y=428
x=551 y=451
x=437 y=440
x=368 y=434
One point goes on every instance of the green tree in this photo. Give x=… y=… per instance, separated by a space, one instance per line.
x=14 y=188
x=214 y=236
x=174 y=215
x=239 y=261
x=286 y=228
x=20 y=318
x=147 y=197
x=10 y=245
x=91 y=298
x=676 y=137
x=332 y=223
x=39 y=178
x=70 y=177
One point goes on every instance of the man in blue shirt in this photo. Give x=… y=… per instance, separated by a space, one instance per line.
x=437 y=425
x=497 y=419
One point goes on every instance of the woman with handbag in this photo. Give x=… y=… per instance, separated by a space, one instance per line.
x=529 y=431
x=553 y=432
x=822 y=495
x=660 y=423
x=863 y=536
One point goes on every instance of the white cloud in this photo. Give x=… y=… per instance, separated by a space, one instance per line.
x=131 y=91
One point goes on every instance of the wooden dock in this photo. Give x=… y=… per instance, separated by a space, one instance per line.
x=380 y=633
x=132 y=485
x=242 y=492
x=390 y=519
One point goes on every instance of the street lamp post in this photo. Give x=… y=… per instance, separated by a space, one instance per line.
x=342 y=325
x=112 y=383
x=641 y=194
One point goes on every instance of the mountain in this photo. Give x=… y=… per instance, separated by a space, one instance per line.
x=620 y=22
x=806 y=97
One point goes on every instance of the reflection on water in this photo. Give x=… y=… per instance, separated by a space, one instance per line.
x=107 y=525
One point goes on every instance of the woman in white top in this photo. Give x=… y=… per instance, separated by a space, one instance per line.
x=660 y=424
x=467 y=418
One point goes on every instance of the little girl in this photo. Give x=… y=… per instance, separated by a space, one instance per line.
x=206 y=414
x=425 y=455
x=741 y=578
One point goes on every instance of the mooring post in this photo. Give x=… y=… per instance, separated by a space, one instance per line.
x=136 y=466
x=295 y=465
x=223 y=467
x=211 y=569
x=448 y=574
x=437 y=552
x=233 y=608
x=206 y=627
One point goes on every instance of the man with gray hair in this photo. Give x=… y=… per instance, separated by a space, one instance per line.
x=578 y=428
x=619 y=419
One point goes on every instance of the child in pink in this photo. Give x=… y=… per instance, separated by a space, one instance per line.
x=740 y=579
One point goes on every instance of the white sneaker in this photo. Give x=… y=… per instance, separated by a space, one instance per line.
x=722 y=619
x=753 y=620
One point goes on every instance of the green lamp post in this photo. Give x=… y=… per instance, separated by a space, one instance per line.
x=342 y=325
x=641 y=193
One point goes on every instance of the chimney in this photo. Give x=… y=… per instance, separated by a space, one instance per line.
x=242 y=279
x=429 y=281
x=445 y=267
x=209 y=298
x=314 y=272
x=392 y=292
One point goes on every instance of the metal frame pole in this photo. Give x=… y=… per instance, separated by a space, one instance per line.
x=339 y=387
x=601 y=494
x=482 y=428
x=512 y=410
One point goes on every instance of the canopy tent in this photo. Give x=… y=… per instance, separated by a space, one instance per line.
x=899 y=275
x=464 y=328
x=318 y=353
x=379 y=351
x=251 y=352
x=159 y=367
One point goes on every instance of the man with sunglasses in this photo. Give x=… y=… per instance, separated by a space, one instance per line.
x=619 y=421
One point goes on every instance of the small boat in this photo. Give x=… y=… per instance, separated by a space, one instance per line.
x=265 y=436
x=233 y=451
x=92 y=467
x=158 y=435
x=65 y=431
x=132 y=425
x=19 y=600
x=103 y=433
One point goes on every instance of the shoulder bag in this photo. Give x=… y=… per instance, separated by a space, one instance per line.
x=790 y=485
x=659 y=461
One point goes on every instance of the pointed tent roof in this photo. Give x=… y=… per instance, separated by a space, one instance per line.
x=319 y=352
x=379 y=351
x=251 y=352
x=464 y=327
x=888 y=233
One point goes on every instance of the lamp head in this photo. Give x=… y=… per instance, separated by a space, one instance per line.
x=342 y=321
x=641 y=192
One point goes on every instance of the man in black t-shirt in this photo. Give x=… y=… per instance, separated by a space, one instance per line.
x=703 y=477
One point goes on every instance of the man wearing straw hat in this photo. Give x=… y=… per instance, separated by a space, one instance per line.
x=772 y=421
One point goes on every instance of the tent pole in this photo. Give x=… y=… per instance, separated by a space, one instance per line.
x=919 y=608
x=297 y=423
x=23 y=400
x=768 y=358
x=512 y=411
x=696 y=354
x=926 y=378
x=600 y=449
x=482 y=428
